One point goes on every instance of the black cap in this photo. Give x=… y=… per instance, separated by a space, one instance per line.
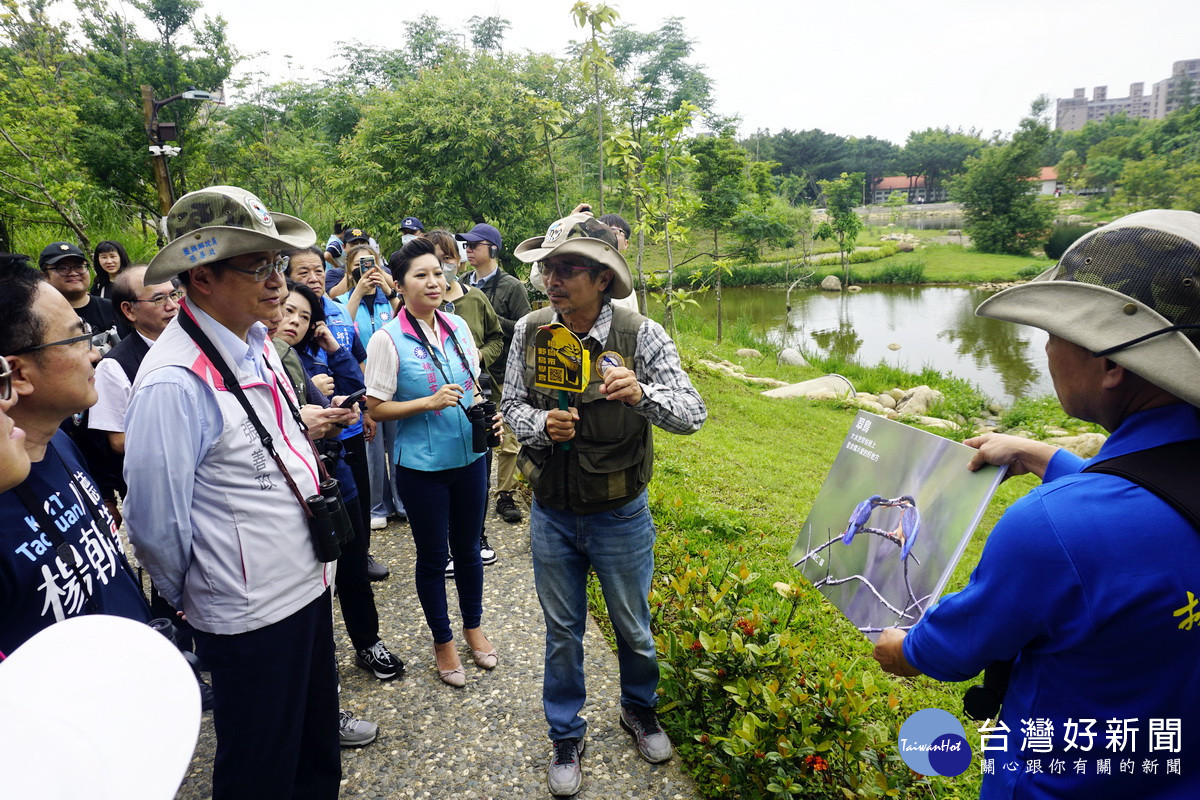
x=57 y=251
x=354 y=235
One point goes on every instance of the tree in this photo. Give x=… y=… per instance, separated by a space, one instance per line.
x=937 y=154
x=1071 y=171
x=1147 y=184
x=476 y=160
x=596 y=65
x=487 y=33
x=1002 y=213
x=842 y=224
x=655 y=68
x=41 y=180
x=720 y=183
x=872 y=157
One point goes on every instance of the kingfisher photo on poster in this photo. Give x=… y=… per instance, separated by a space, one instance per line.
x=890 y=522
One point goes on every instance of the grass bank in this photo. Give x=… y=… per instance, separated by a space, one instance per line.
x=729 y=502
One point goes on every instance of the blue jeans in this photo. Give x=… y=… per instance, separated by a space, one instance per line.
x=385 y=500
x=619 y=546
x=446 y=508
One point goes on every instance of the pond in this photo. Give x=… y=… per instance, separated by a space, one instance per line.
x=935 y=326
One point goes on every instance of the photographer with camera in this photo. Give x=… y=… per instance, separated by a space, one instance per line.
x=225 y=493
x=422 y=369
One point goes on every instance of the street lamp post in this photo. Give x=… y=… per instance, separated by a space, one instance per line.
x=160 y=133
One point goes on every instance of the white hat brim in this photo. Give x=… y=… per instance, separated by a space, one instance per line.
x=292 y=233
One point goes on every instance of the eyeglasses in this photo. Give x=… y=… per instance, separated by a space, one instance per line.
x=564 y=271
x=174 y=297
x=264 y=270
x=5 y=379
x=68 y=269
x=86 y=336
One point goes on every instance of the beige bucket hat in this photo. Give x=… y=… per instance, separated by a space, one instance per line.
x=1129 y=291
x=584 y=235
x=220 y=222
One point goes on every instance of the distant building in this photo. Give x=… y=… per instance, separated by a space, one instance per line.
x=1168 y=94
x=1075 y=112
x=1047 y=181
x=913 y=186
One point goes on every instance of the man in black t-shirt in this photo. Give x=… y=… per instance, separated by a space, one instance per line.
x=52 y=358
x=66 y=268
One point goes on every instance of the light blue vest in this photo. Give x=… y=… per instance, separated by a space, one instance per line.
x=434 y=440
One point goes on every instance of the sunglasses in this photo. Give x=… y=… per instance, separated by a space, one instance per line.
x=86 y=336
x=264 y=270
x=5 y=380
x=563 y=271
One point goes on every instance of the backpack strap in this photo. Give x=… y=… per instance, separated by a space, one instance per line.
x=1168 y=471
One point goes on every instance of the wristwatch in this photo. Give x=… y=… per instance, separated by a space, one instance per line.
x=393 y=295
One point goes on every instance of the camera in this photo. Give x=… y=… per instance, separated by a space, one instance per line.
x=336 y=506
x=483 y=436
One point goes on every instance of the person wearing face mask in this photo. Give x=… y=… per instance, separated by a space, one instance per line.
x=410 y=228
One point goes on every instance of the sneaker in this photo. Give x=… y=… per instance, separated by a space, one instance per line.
x=485 y=550
x=642 y=724
x=378 y=523
x=506 y=507
x=450 y=568
x=375 y=570
x=206 y=695
x=565 y=774
x=356 y=732
x=377 y=659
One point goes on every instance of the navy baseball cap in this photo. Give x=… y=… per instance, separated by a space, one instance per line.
x=481 y=233
x=412 y=224
x=355 y=235
x=57 y=251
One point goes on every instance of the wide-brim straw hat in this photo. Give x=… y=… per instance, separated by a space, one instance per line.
x=584 y=235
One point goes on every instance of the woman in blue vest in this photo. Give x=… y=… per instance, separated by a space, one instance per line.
x=422 y=370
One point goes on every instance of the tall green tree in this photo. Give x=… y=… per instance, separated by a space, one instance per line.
x=938 y=154
x=597 y=66
x=842 y=196
x=719 y=178
x=476 y=160
x=41 y=178
x=654 y=66
x=487 y=33
x=1001 y=210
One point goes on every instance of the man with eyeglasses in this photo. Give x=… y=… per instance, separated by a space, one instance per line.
x=589 y=466
x=66 y=268
x=216 y=510
x=147 y=311
x=62 y=557
x=510 y=301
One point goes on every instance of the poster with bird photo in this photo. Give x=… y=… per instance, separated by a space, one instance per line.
x=890 y=522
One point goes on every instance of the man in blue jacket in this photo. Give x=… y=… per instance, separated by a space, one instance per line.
x=1088 y=585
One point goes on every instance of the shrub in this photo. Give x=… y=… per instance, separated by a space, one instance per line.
x=750 y=703
x=907 y=272
x=1032 y=271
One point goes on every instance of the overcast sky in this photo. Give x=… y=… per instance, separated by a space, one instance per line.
x=854 y=67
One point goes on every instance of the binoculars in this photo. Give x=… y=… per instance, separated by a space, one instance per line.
x=329 y=523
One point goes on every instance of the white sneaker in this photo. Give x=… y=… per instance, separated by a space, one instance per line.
x=378 y=523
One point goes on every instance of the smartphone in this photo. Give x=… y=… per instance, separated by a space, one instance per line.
x=367 y=262
x=352 y=399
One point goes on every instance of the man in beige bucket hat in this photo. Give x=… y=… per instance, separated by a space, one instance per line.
x=214 y=504
x=1087 y=590
x=588 y=466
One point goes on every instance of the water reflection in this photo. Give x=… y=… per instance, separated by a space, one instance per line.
x=935 y=326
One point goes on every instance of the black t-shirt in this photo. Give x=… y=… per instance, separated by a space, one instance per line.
x=100 y=314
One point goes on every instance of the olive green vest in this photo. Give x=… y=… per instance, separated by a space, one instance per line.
x=611 y=457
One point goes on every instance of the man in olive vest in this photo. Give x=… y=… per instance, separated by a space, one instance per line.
x=589 y=465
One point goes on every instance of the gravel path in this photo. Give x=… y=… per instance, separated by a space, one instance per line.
x=488 y=740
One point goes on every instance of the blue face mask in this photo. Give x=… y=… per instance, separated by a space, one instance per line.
x=450 y=271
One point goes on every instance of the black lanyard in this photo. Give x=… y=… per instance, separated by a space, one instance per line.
x=433 y=353
x=62 y=548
